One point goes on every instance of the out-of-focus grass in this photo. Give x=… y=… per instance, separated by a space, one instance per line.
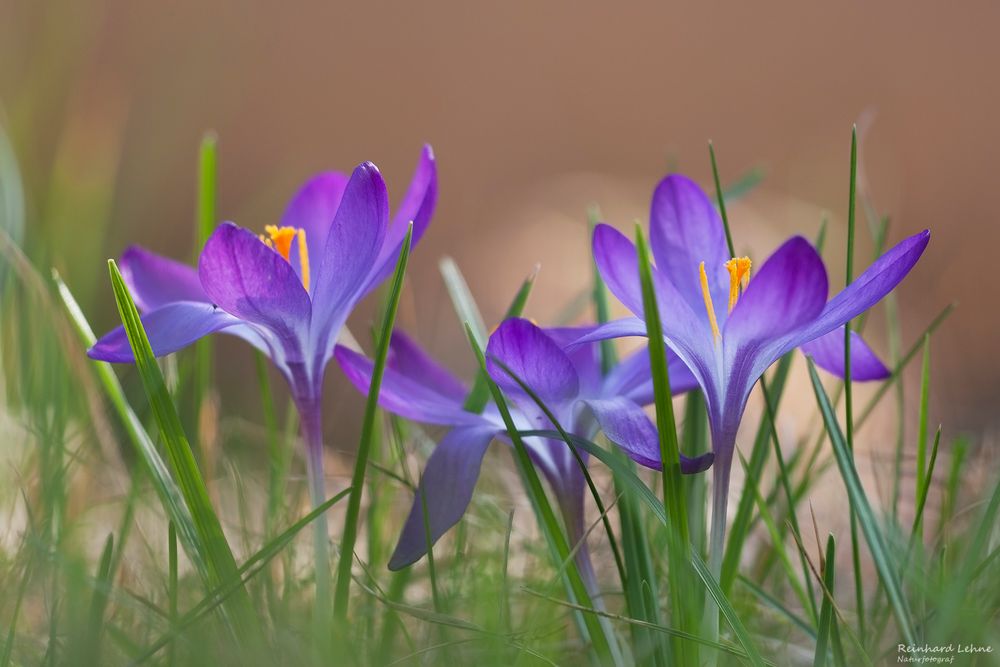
x=92 y=515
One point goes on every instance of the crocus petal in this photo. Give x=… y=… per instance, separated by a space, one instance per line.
x=629 y=427
x=155 y=281
x=417 y=207
x=586 y=358
x=445 y=490
x=828 y=353
x=685 y=331
x=411 y=361
x=787 y=292
x=867 y=290
x=170 y=328
x=253 y=282
x=632 y=378
x=684 y=231
x=534 y=358
x=403 y=395
x=313 y=209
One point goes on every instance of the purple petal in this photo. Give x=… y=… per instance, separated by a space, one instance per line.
x=445 y=489
x=411 y=361
x=403 y=395
x=629 y=427
x=618 y=265
x=867 y=290
x=586 y=358
x=170 y=328
x=417 y=207
x=155 y=281
x=534 y=358
x=685 y=230
x=788 y=292
x=313 y=209
x=828 y=353
x=632 y=378
x=352 y=246
x=253 y=282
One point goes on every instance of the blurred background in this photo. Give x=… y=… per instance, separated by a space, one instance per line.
x=535 y=111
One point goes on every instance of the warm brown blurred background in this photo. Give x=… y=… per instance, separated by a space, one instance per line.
x=535 y=110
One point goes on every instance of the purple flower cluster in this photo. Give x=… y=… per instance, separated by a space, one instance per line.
x=288 y=293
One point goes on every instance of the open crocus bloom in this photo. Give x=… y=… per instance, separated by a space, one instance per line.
x=729 y=328
x=288 y=293
x=569 y=383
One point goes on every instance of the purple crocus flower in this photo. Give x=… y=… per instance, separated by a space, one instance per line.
x=572 y=387
x=729 y=329
x=288 y=293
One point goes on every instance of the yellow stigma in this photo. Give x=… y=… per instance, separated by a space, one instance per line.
x=708 y=302
x=281 y=239
x=739 y=278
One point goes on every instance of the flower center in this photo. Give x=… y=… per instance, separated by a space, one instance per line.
x=739 y=278
x=280 y=240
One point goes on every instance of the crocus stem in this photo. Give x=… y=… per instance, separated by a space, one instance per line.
x=717 y=539
x=312 y=432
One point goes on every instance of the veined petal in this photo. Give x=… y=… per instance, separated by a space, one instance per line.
x=535 y=358
x=787 y=292
x=445 y=490
x=586 y=358
x=629 y=427
x=352 y=246
x=618 y=264
x=412 y=362
x=867 y=290
x=684 y=231
x=417 y=207
x=828 y=353
x=251 y=281
x=313 y=209
x=169 y=328
x=155 y=281
x=403 y=395
x=632 y=378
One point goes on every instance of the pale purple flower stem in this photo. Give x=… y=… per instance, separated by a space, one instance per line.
x=311 y=416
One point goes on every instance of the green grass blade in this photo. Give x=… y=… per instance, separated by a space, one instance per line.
x=342 y=590
x=605 y=647
x=91 y=645
x=925 y=392
x=206 y=218
x=479 y=395
x=728 y=612
x=862 y=508
x=683 y=605
x=462 y=299
x=165 y=486
x=212 y=542
x=826 y=617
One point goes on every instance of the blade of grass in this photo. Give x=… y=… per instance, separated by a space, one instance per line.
x=678 y=534
x=479 y=396
x=826 y=618
x=605 y=648
x=866 y=517
x=91 y=649
x=216 y=553
x=205 y=221
x=165 y=486
x=925 y=392
x=342 y=589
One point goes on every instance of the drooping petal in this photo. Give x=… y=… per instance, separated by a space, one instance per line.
x=155 y=281
x=417 y=207
x=403 y=395
x=411 y=361
x=253 y=282
x=170 y=328
x=867 y=290
x=445 y=490
x=534 y=358
x=313 y=209
x=618 y=265
x=787 y=292
x=828 y=353
x=629 y=427
x=352 y=246
x=632 y=379
x=685 y=230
